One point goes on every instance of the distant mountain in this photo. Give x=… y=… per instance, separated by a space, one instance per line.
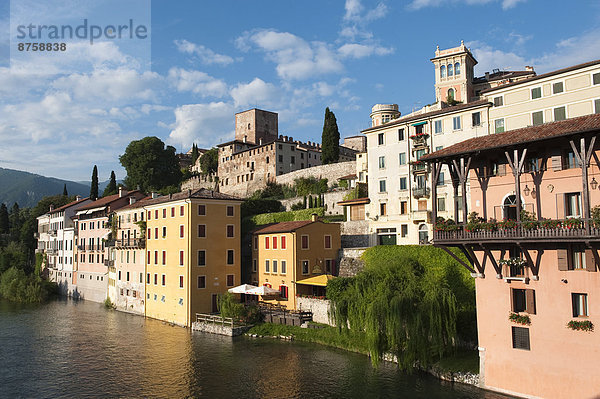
x=27 y=188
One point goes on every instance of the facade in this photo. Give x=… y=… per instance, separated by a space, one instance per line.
x=399 y=184
x=126 y=258
x=61 y=248
x=534 y=254
x=93 y=231
x=192 y=253
x=285 y=254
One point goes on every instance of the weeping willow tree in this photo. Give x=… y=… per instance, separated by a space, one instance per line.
x=403 y=302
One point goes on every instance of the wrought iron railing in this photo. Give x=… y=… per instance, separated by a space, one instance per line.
x=130 y=242
x=419 y=192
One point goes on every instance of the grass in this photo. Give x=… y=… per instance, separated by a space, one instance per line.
x=462 y=360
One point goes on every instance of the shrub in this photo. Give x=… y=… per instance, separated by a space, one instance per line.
x=304 y=214
x=16 y=286
x=297 y=206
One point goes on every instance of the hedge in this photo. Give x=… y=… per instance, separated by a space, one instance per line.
x=303 y=214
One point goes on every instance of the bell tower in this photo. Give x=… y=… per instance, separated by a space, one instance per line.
x=454 y=74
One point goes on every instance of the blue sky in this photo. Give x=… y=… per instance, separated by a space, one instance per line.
x=210 y=60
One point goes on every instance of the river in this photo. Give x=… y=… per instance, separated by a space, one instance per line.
x=79 y=349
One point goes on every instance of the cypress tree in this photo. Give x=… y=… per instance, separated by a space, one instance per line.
x=330 y=139
x=94 y=187
x=310 y=201
x=4 y=226
x=304 y=202
x=195 y=154
x=65 y=192
x=112 y=185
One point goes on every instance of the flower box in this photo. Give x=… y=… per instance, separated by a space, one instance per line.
x=581 y=325
x=519 y=318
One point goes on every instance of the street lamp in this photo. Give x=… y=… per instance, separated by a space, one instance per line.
x=526 y=190
x=594 y=183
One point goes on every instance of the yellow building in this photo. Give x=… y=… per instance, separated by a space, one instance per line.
x=192 y=253
x=295 y=258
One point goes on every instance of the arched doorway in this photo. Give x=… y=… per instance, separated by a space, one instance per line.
x=509 y=207
x=423 y=234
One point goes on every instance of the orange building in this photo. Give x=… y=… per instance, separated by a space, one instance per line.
x=295 y=258
x=533 y=247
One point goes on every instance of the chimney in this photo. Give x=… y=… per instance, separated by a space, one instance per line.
x=260 y=141
x=528 y=68
x=132 y=200
x=77 y=197
x=487 y=76
x=121 y=192
x=51 y=207
x=314 y=217
x=154 y=195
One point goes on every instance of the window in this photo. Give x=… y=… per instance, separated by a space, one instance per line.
x=536 y=92
x=382 y=188
x=441 y=180
x=498 y=101
x=119 y=277
x=580 y=305
x=149 y=215
x=402 y=158
x=230 y=257
x=156 y=257
x=181 y=230
x=403 y=184
x=164 y=257
x=180 y=281
x=569 y=160
x=201 y=257
x=381 y=162
x=267 y=267
x=149 y=234
x=450 y=70
x=327 y=242
x=383 y=209
x=560 y=114
x=437 y=126
x=181 y=210
x=499 y=125
x=596 y=78
x=456 y=123
x=281 y=158
x=127 y=276
x=304 y=267
x=441 y=204
x=443 y=71
x=537 y=118
x=457 y=68
x=164 y=232
x=229 y=231
x=267 y=242
x=597 y=106
x=201 y=282
x=573 y=205
x=282 y=242
x=181 y=256
x=304 y=242
x=523 y=300
x=173 y=212
x=578 y=261
x=557 y=88
x=201 y=230
x=201 y=210
x=400 y=134
x=381 y=139
x=254 y=265
x=403 y=230
x=520 y=338
x=274 y=269
x=156 y=214
x=156 y=233
x=403 y=207
x=283 y=267
x=283 y=291
x=230 y=280
x=476 y=118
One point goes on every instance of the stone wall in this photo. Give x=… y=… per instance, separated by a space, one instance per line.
x=331 y=200
x=318 y=307
x=216 y=328
x=198 y=182
x=350 y=263
x=355 y=234
x=332 y=172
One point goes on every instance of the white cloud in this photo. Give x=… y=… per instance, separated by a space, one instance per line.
x=356 y=19
x=419 y=4
x=206 y=55
x=204 y=124
x=256 y=93
x=506 y=4
x=355 y=50
x=196 y=82
x=489 y=58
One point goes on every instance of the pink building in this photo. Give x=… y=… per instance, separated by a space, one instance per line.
x=533 y=248
x=93 y=230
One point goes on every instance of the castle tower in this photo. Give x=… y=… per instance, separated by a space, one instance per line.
x=454 y=74
x=256 y=125
x=384 y=113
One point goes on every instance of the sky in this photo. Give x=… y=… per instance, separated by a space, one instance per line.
x=203 y=61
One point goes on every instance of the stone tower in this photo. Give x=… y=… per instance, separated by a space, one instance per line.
x=384 y=113
x=454 y=74
x=256 y=126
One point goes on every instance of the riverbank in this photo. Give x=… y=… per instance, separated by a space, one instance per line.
x=462 y=367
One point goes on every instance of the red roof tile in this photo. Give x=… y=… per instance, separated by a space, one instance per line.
x=70 y=204
x=284 y=227
x=106 y=200
x=530 y=134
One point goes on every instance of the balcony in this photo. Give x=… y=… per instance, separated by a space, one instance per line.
x=52 y=232
x=81 y=247
x=421 y=192
x=51 y=251
x=109 y=263
x=566 y=230
x=130 y=243
x=419 y=167
x=423 y=216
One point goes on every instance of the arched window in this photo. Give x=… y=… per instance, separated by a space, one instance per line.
x=450 y=70
x=423 y=234
x=443 y=71
x=457 y=68
x=450 y=94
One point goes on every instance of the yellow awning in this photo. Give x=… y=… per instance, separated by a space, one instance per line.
x=320 y=280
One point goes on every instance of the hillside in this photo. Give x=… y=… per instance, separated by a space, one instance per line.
x=27 y=188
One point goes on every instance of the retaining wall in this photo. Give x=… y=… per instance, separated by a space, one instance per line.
x=350 y=263
x=217 y=328
x=318 y=307
x=332 y=172
x=331 y=200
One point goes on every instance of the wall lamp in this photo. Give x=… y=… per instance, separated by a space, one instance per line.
x=526 y=190
x=594 y=183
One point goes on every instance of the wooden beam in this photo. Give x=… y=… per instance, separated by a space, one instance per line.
x=530 y=263
x=474 y=259
x=495 y=264
x=456 y=258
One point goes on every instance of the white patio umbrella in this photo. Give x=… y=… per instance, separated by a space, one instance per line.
x=262 y=290
x=242 y=289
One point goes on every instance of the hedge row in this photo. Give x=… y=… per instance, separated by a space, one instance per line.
x=303 y=214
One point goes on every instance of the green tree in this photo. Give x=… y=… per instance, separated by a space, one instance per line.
x=209 y=161
x=112 y=185
x=65 y=192
x=330 y=139
x=94 y=186
x=150 y=165
x=195 y=153
x=4 y=226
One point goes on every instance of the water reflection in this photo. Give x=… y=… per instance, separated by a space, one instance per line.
x=79 y=349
